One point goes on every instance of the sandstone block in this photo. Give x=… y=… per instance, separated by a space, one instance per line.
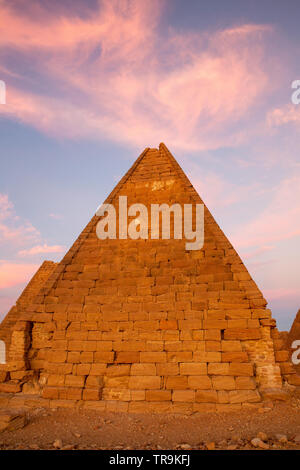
x=241 y=396
x=92 y=394
x=207 y=356
x=143 y=369
x=231 y=346
x=127 y=357
x=57 y=356
x=168 y=325
x=183 y=395
x=116 y=394
x=117 y=370
x=199 y=382
x=242 y=333
x=245 y=383
x=50 y=392
x=206 y=396
x=166 y=368
x=147 y=382
x=281 y=356
x=74 y=381
x=177 y=382
x=74 y=394
x=219 y=368
x=104 y=356
x=181 y=356
x=193 y=368
x=138 y=395
x=240 y=369
x=83 y=369
x=153 y=357
x=235 y=357
x=158 y=395
x=223 y=383
x=56 y=380
x=98 y=369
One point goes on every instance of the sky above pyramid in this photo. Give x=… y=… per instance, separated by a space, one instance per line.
x=91 y=83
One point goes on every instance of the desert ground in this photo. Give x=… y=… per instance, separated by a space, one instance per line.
x=270 y=426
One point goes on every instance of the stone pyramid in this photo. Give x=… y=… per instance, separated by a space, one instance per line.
x=25 y=299
x=139 y=325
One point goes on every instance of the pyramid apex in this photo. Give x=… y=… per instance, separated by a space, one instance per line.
x=162 y=144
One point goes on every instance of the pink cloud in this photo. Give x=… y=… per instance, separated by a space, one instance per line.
x=279 y=221
x=12 y=274
x=39 y=249
x=258 y=251
x=274 y=294
x=6 y=206
x=16 y=233
x=12 y=229
x=284 y=115
x=56 y=216
x=119 y=79
x=124 y=22
x=217 y=192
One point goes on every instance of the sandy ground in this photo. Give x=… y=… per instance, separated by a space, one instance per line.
x=70 y=429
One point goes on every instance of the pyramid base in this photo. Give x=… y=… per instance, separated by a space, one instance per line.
x=20 y=401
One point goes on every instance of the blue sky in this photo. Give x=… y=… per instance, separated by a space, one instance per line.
x=90 y=84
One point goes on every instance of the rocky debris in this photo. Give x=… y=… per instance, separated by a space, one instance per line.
x=57 y=444
x=263 y=436
x=185 y=446
x=264 y=410
x=31 y=388
x=10 y=421
x=282 y=431
x=71 y=447
x=282 y=438
x=277 y=394
x=222 y=443
x=12 y=386
x=210 y=445
x=269 y=404
x=257 y=442
x=3 y=376
x=34 y=447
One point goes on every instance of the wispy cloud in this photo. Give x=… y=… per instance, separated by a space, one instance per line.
x=56 y=216
x=219 y=192
x=41 y=249
x=12 y=273
x=14 y=230
x=112 y=75
x=280 y=293
x=19 y=236
x=288 y=114
x=280 y=220
x=258 y=251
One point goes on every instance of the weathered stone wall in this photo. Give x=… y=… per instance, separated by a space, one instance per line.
x=30 y=291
